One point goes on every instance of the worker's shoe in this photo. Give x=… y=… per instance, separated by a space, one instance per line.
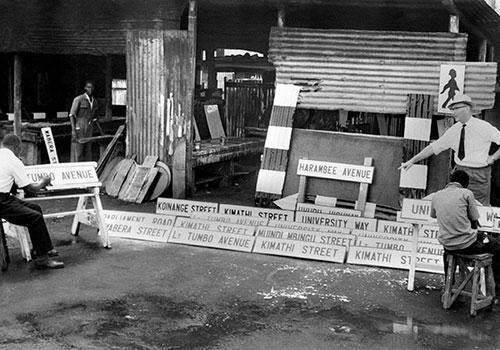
x=51 y=253
x=44 y=262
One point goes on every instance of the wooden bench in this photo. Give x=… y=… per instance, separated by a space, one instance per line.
x=228 y=149
x=69 y=180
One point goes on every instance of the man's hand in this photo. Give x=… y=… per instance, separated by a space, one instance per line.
x=406 y=166
x=45 y=181
x=490 y=160
x=73 y=135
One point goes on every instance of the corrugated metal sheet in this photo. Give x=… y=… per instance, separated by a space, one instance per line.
x=159 y=91
x=287 y=43
x=372 y=71
x=145 y=93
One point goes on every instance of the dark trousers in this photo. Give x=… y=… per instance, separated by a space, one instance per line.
x=22 y=213
x=478 y=247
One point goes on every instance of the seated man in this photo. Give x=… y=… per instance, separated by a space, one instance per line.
x=19 y=212
x=457 y=216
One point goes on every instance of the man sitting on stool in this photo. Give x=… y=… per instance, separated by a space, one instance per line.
x=19 y=212
x=457 y=216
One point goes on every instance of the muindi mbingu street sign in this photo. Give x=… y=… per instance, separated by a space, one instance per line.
x=312 y=245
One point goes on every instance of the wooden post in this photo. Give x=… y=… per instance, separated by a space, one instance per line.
x=413 y=261
x=77 y=84
x=483 y=48
x=491 y=54
x=454 y=24
x=192 y=25
x=212 y=73
x=108 y=92
x=11 y=85
x=301 y=198
x=18 y=94
x=363 y=190
x=281 y=16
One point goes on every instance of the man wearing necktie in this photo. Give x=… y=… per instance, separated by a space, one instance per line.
x=471 y=139
x=82 y=114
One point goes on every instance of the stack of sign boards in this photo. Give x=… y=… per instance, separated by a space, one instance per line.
x=303 y=234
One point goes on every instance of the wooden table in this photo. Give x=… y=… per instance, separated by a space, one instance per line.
x=31 y=134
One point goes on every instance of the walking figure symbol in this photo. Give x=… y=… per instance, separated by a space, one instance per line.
x=451 y=86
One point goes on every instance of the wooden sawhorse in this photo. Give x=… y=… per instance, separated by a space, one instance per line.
x=69 y=180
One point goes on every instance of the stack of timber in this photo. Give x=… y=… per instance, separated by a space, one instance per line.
x=131 y=182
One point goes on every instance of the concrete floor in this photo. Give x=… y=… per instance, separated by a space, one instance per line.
x=143 y=295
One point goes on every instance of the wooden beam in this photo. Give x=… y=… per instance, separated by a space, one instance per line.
x=192 y=26
x=18 y=94
x=212 y=73
x=483 y=49
x=281 y=16
x=363 y=190
x=11 y=85
x=108 y=92
x=454 y=24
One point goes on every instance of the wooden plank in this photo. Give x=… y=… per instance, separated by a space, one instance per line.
x=214 y=121
x=114 y=186
x=109 y=170
x=179 y=169
x=18 y=94
x=109 y=150
x=363 y=190
x=150 y=178
x=134 y=187
x=150 y=161
x=162 y=181
x=128 y=181
x=382 y=124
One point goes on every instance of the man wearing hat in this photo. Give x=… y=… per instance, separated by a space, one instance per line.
x=471 y=139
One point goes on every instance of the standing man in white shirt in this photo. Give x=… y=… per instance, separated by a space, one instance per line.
x=471 y=139
x=81 y=115
x=23 y=213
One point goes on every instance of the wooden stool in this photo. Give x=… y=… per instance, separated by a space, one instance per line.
x=4 y=252
x=478 y=262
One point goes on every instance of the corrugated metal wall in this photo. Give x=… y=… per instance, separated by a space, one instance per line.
x=145 y=93
x=159 y=92
x=372 y=71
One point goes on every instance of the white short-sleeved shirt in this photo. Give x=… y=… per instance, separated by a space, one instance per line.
x=11 y=171
x=479 y=135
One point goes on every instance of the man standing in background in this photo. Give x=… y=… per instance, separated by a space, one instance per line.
x=82 y=114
